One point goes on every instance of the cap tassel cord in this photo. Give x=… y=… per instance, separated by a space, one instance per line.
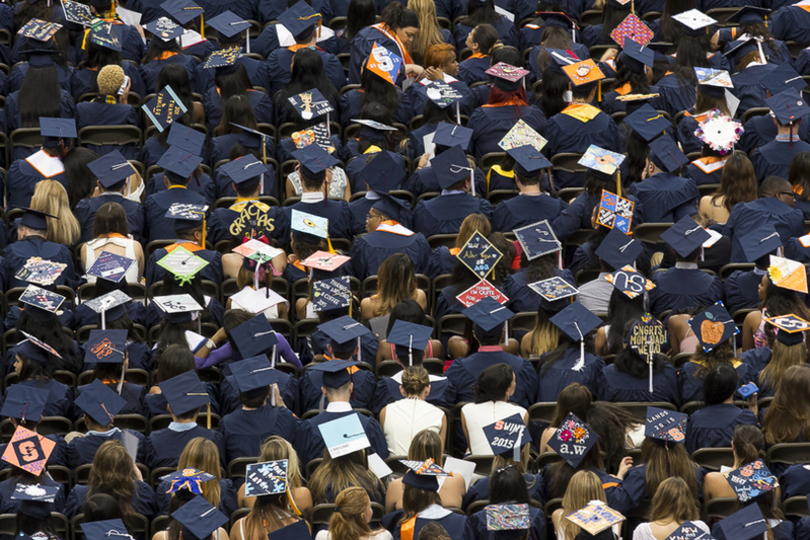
x=410 y=351
x=581 y=362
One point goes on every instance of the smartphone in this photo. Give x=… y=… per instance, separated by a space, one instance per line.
x=124 y=86
x=748 y=390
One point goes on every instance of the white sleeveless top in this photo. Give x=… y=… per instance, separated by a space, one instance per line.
x=478 y=415
x=404 y=419
x=127 y=243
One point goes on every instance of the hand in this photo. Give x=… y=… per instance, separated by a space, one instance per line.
x=138 y=473
x=625 y=465
x=609 y=53
x=277 y=394
x=291 y=258
x=751 y=403
x=434 y=74
x=417 y=71
x=715 y=41
x=423 y=159
x=124 y=97
x=155 y=390
x=96 y=192
x=219 y=336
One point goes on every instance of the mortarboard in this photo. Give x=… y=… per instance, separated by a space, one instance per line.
x=664 y=425
x=749 y=15
x=528 y=160
x=77 y=13
x=791 y=324
x=633 y=29
x=183 y=11
x=39 y=30
x=713 y=82
x=788 y=338
x=36 y=350
x=788 y=106
x=314 y=161
x=553 y=288
x=615 y=212
x=573 y=440
x=257 y=300
x=479 y=255
x=506 y=76
x=781 y=78
x=595 y=517
x=384 y=63
x=105 y=34
x=310 y=225
x=647 y=123
x=165 y=30
x=745 y=524
x=713 y=326
x=189 y=479
x=373 y=124
x=254 y=337
x=450 y=135
x=184 y=393
x=103 y=530
x=537 y=239
x=186 y=138
x=331 y=294
x=343 y=330
x=561 y=59
x=719 y=132
x=253 y=373
x=112 y=169
x=323 y=260
x=689 y=531
x=300 y=19
x=178 y=308
x=344 y=435
x=186 y=216
x=222 y=59
x=182 y=264
x=507 y=436
x=751 y=480
x=603 y=162
x=334 y=373
x=788 y=274
x=636 y=56
x=310 y=104
x=522 y=134
x=442 y=94
x=294 y=531
x=618 y=249
x=629 y=281
x=162 y=110
x=383 y=173
x=422 y=474
x=507 y=517
x=318 y=134
x=106 y=347
x=666 y=155
x=229 y=26
x=576 y=321
x=410 y=336
x=452 y=167
x=100 y=402
x=43 y=303
x=760 y=242
x=40 y=271
x=199 y=518
x=24 y=402
x=109 y=303
x=647 y=337
x=488 y=314
x=584 y=72
x=244 y=171
x=480 y=290
x=685 y=237
x=389 y=207
x=28 y=451
x=267 y=478
x=695 y=23
x=35 y=499
x=57 y=128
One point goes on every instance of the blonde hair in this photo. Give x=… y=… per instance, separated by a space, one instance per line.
x=426 y=445
x=673 y=499
x=51 y=197
x=545 y=336
x=336 y=474
x=414 y=380
x=782 y=357
x=348 y=523
x=113 y=473
x=429 y=31
x=202 y=454
x=110 y=79
x=396 y=281
x=583 y=488
x=274 y=448
x=473 y=222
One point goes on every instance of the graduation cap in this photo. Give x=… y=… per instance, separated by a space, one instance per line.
x=344 y=435
x=40 y=271
x=189 y=479
x=336 y=373
x=183 y=11
x=781 y=78
x=507 y=436
x=629 y=281
x=162 y=110
x=694 y=22
x=760 y=242
x=110 y=306
x=100 y=402
x=389 y=207
x=719 y=132
x=186 y=138
x=35 y=499
x=713 y=326
x=508 y=517
x=221 y=59
x=537 y=239
x=229 y=26
x=713 y=82
x=452 y=167
x=618 y=249
x=184 y=393
x=528 y=161
x=749 y=15
x=383 y=173
x=603 y=162
x=294 y=531
x=310 y=104
x=557 y=19
x=788 y=274
x=751 y=480
x=253 y=373
x=647 y=123
x=106 y=34
x=331 y=294
x=442 y=94
x=647 y=337
x=245 y=171
x=636 y=56
x=257 y=300
x=573 y=440
x=576 y=322
x=199 y=518
x=325 y=261
x=507 y=77
x=314 y=161
x=178 y=304
x=633 y=29
x=561 y=58
x=309 y=228
x=583 y=73
x=422 y=474
x=554 y=288
x=615 y=212
x=106 y=347
x=36 y=350
x=254 y=336
x=318 y=134
x=343 y=332
x=664 y=425
x=689 y=531
x=77 y=13
x=788 y=106
x=789 y=324
x=165 y=30
x=595 y=517
x=745 y=524
x=28 y=451
x=522 y=134
x=410 y=336
x=267 y=478
x=488 y=314
x=479 y=255
x=666 y=155
x=384 y=63
x=39 y=30
x=43 y=303
x=112 y=168
x=789 y=339
x=182 y=264
x=373 y=124
x=450 y=135
x=57 y=128
x=300 y=19
x=24 y=402
x=103 y=530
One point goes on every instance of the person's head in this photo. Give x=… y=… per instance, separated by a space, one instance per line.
x=738 y=183
x=110 y=79
x=174 y=360
x=101 y=507
x=396 y=281
x=442 y=56
x=705 y=102
x=39 y=95
x=114 y=473
x=480 y=13
x=583 y=488
x=799 y=175
x=483 y=39
x=274 y=448
x=233 y=82
x=110 y=219
x=720 y=384
x=352 y=515
x=471 y=224
x=429 y=33
x=789 y=413
x=748 y=444
x=433 y=531
x=787 y=350
x=410 y=311
x=674 y=500
x=202 y=454
x=361 y=13
x=508 y=485
x=574 y=398
x=51 y=197
x=495 y=383
x=666 y=459
x=415 y=382
x=691 y=51
x=237 y=110
x=775 y=186
x=336 y=474
x=402 y=21
x=253 y=399
x=176 y=76
x=425 y=445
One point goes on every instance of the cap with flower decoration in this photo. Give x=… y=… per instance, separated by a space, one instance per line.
x=573 y=440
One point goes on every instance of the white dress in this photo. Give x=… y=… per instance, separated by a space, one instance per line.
x=127 y=243
x=643 y=531
x=407 y=417
x=381 y=534
x=478 y=415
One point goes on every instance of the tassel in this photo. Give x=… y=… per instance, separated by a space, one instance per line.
x=273 y=356
x=600 y=92
x=649 y=361
x=208 y=420
x=472 y=181
x=516 y=448
x=103 y=320
x=203 y=232
x=292 y=503
x=581 y=362
x=458 y=112
x=506 y=333
x=410 y=351
x=328 y=126
x=618 y=182
x=359 y=350
x=202 y=27
x=84 y=39
x=112 y=9
x=121 y=382
x=248 y=40
x=559 y=259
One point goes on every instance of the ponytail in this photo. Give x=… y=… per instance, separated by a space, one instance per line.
x=347 y=521
x=749 y=443
x=395 y=15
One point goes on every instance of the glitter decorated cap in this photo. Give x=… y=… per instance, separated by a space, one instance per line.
x=508 y=517
x=719 y=132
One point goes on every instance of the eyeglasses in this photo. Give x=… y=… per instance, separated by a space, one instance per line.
x=787 y=194
x=372 y=216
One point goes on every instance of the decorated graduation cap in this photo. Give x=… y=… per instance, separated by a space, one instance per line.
x=528 y=161
x=409 y=336
x=344 y=333
x=300 y=20
x=603 y=164
x=311 y=104
x=41 y=304
x=29 y=451
x=636 y=56
x=77 y=13
x=162 y=110
x=254 y=337
x=576 y=322
x=449 y=135
x=179 y=308
x=223 y=60
x=25 y=403
x=788 y=106
x=751 y=480
x=561 y=58
x=100 y=403
x=422 y=474
x=229 y=27
x=103 y=530
x=647 y=123
x=647 y=337
x=685 y=236
x=184 y=393
x=507 y=436
x=695 y=22
x=184 y=11
x=325 y=261
x=760 y=242
x=595 y=517
x=573 y=440
x=106 y=347
x=791 y=329
x=615 y=212
x=40 y=271
x=344 y=435
x=507 y=77
x=110 y=267
x=584 y=73
x=35 y=499
x=689 y=531
x=267 y=478
x=537 y=239
x=36 y=350
x=618 y=249
x=39 y=30
x=783 y=77
x=111 y=306
x=630 y=282
x=383 y=173
x=331 y=294
x=452 y=167
x=308 y=227
x=506 y=519
x=522 y=134
x=553 y=288
x=633 y=29
x=187 y=216
x=105 y=34
x=713 y=82
x=666 y=426
x=199 y=518
x=165 y=30
x=314 y=161
x=788 y=274
x=713 y=326
x=719 y=132
x=666 y=155
x=749 y=15
x=479 y=255
x=188 y=479
x=112 y=169
x=384 y=63
x=444 y=95
x=294 y=531
x=182 y=264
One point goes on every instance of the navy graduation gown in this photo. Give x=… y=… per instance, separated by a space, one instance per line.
x=521 y=211
x=369 y=251
x=523 y=299
x=782 y=531
x=676 y=95
x=747 y=86
x=287 y=146
x=152 y=151
x=741 y=288
x=360 y=48
x=556 y=377
x=82 y=450
x=150 y=9
x=275 y=225
x=774 y=158
x=310 y=444
x=746 y=217
x=691 y=388
x=200 y=183
x=150 y=71
x=86 y=209
x=682 y=288
x=491 y=122
x=760 y=130
x=244 y=431
x=780 y=56
x=666 y=198
x=463 y=373
x=241 y=8
x=157 y=404
x=164 y=446
x=713 y=425
x=478 y=522
x=686 y=132
x=617 y=386
x=444 y=214
x=424 y=180
x=416 y=144
x=17 y=254
x=796 y=251
x=341 y=222
x=159 y=227
x=756 y=359
x=457 y=526
x=15 y=80
x=133 y=46
x=66 y=316
x=352 y=102
x=361 y=207
x=479 y=491
x=84 y=316
x=705 y=171
x=795 y=481
x=133 y=394
x=442 y=393
x=441 y=261
x=260 y=102
x=310 y=383
x=507 y=33
x=21 y=182
x=267 y=42
x=802 y=63
x=279 y=64
x=212 y=272
x=227 y=497
x=472 y=69
x=791 y=23
x=83 y=81
x=108 y=114
x=9 y=506
x=229 y=393
x=143 y=500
